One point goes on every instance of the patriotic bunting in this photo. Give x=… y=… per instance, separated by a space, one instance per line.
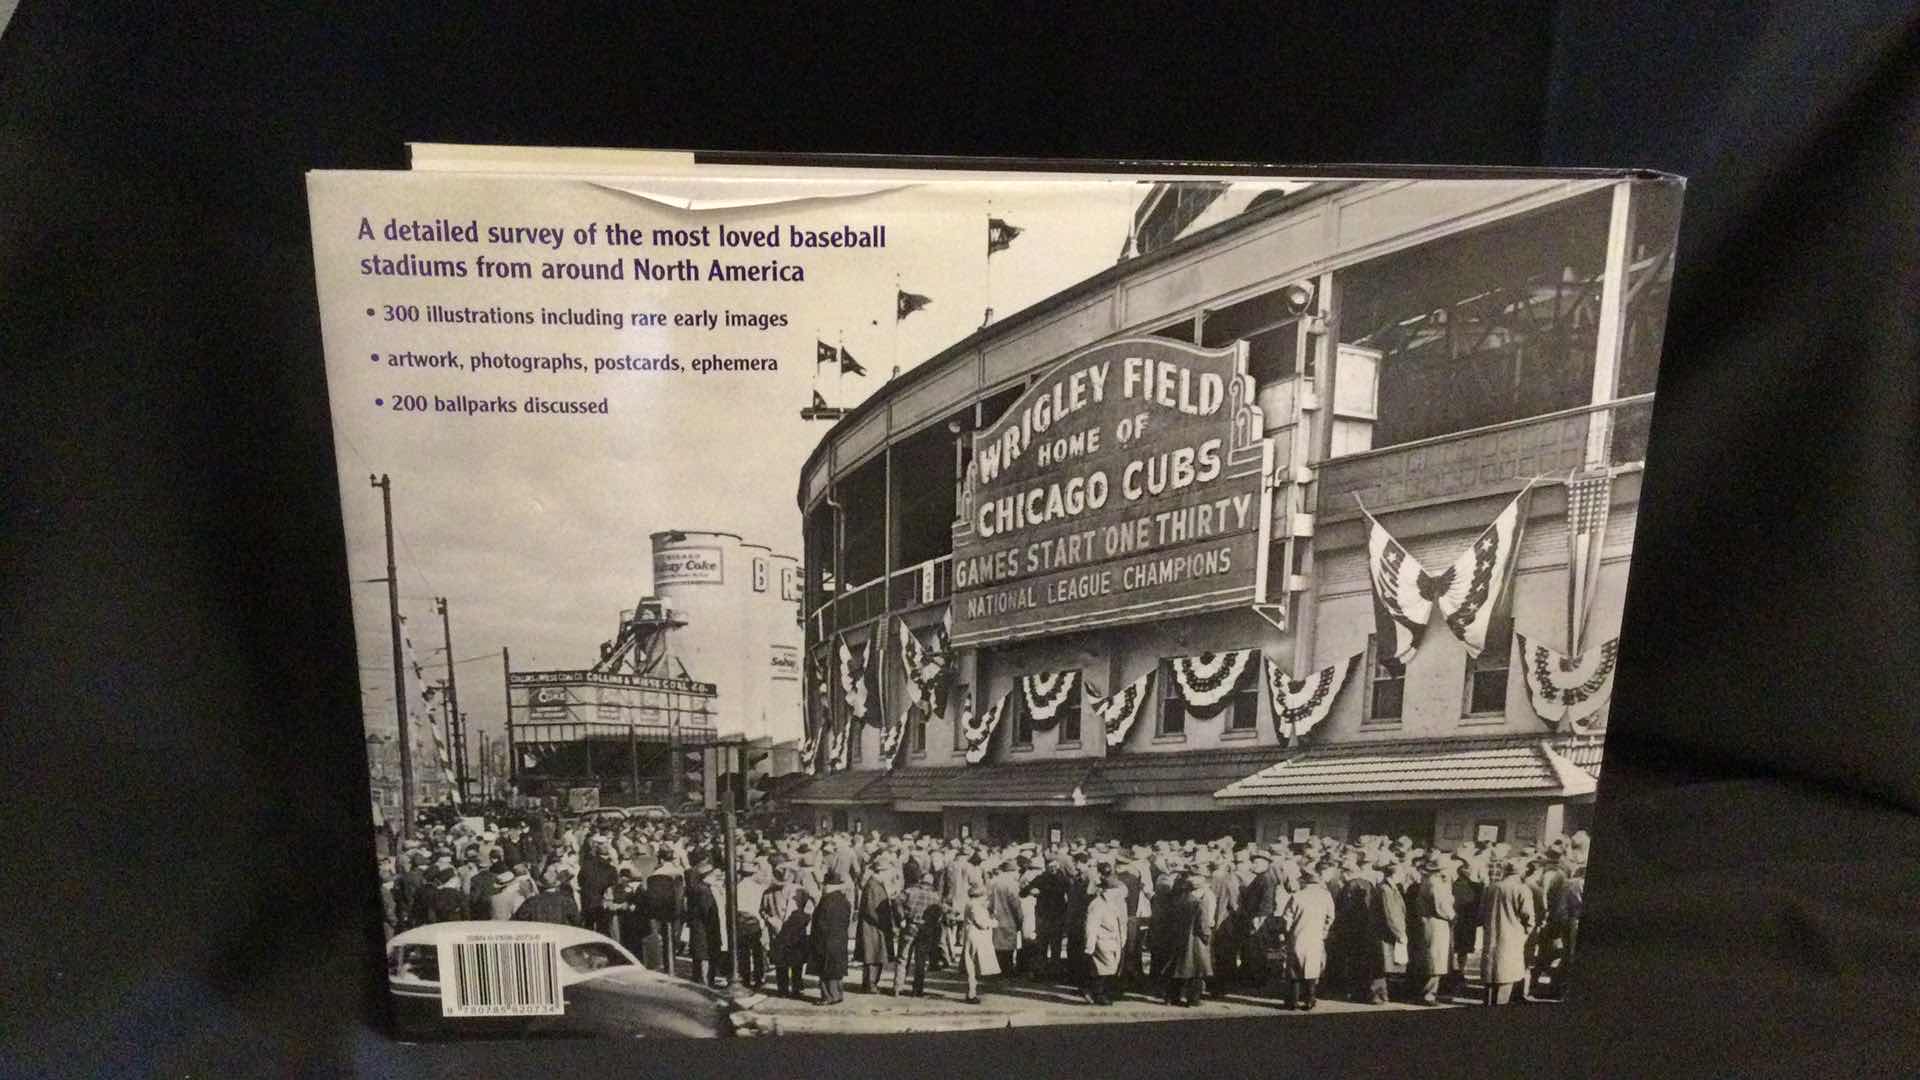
x=977 y=734
x=1118 y=712
x=890 y=736
x=1568 y=691
x=1044 y=693
x=1468 y=592
x=1587 y=503
x=855 y=684
x=1206 y=681
x=927 y=665
x=809 y=752
x=839 y=746
x=1299 y=704
x=1401 y=603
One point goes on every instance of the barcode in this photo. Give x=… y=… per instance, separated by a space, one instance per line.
x=501 y=978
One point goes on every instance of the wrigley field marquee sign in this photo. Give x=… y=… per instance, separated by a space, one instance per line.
x=1127 y=484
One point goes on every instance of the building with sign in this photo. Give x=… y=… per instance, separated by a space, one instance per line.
x=1311 y=514
x=632 y=727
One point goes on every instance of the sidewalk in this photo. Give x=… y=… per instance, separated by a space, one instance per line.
x=1010 y=1003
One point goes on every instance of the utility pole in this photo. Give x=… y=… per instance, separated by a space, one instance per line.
x=506 y=684
x=399 y=665
x=456 y=724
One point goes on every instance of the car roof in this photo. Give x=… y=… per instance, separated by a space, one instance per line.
x=559 y=933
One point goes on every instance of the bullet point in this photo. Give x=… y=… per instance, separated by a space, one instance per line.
x=379 y=401
x=369 y=313
x=376 y=358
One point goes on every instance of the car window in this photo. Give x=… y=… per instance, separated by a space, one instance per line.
x=592 y=956
x=415 y=962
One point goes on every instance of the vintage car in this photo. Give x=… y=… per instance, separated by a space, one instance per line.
x=603 y=990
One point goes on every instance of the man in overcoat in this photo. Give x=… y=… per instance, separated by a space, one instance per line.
x=876 y=927
x=1003 y=901
x=827 y=937
x=1508 y=915
x=1387 y=919
x=1434 y=907
x=1106 y=936
x=1306 y=918
x=1191 y=928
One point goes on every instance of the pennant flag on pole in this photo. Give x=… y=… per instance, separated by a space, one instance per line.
x=1568 y=691
x=1469 y=591
x=824 y=353
x=1401 y=603
x=1299 y=704
x=850 y=366
x=1001 y=235
x=1118 y=712
x=1587 y=501
x=906 y=303
x=818 y=401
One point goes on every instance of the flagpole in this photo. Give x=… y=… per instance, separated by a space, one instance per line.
x=894 y=360
x=1575 y=561
x=988 y=315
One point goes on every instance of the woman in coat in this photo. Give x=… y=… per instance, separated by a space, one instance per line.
x=976 y=946
x=876 y=927
x=1508 y=916
x=1191 y=930
x=1107 y=919
x=827 y=936
x=1306 y=919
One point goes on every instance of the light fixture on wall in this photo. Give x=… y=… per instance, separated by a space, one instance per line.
x=1298 y=297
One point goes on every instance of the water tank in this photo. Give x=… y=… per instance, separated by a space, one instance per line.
x=707 y=579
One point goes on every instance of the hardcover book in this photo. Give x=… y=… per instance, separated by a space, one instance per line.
x=848 y=595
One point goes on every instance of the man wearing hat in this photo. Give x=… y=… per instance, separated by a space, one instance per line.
x=1003 y=903
x=875 y=925
x=597 y=877
x=1306 y=918
x=1387 y=923
x=1508 y=915
x=1259 y=902
x=552 y=904
x=1106 y=933
x=1433 y=905
x=827 y=937
x=667 y=904
x=750 y=891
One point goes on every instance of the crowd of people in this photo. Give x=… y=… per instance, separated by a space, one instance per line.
x=1377 y=919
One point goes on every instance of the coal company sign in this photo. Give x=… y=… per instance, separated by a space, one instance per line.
x=550 y=687
x=1127 y=484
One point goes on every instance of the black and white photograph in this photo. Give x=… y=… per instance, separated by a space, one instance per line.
x=809 y=601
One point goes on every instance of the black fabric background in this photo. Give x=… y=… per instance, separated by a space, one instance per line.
x=190 y=888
